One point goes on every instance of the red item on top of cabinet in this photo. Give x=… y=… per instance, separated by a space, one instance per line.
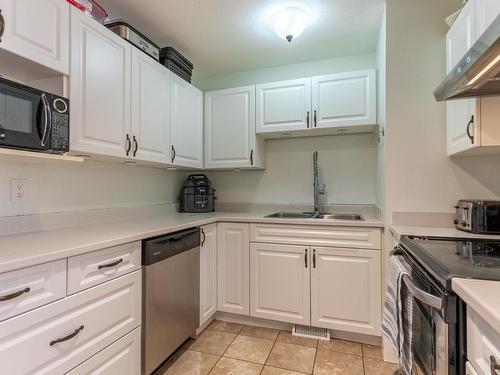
x=91 y=8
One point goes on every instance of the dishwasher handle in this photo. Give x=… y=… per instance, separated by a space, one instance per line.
x=160 y=248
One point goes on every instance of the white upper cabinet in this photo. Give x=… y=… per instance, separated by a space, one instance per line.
x=486 y=12
x=344 y=99
x=462 y=129
x=38 y=31
x=230 y=139
x=186 y=124
x=471 y=123
x=99 y=89
x=150 y=109
x=284 y=106
x=346 y=290
x=280 y=282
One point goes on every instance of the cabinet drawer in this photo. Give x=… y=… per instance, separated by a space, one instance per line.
x=482 y=343
x=97 y=267
x=84 y=324
x=123 y=357
x=25 y=289
x=359 y=237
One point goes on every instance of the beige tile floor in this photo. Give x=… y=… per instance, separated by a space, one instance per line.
x=234 y=349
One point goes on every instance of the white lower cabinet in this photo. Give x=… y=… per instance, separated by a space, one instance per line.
x=55 y=338
x=28 y=288
x=346 y=290
x=233 y=268
x=123 y=357
x=483 y=344
x=208 y=272
x=280 y=282
x=87 y=270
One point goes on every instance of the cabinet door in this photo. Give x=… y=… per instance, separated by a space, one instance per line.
x=38 y=31
x=233 y=254
x=208 y=272
x=283 y=106
x=123 y=357
x=344 y=99
x=100 y=88
x=186 y=123
x=230 y=128
x=486 y=12
x=346 y=290
x=150 y=109
x=55 y=338
x=462 y=119
x=280 y=282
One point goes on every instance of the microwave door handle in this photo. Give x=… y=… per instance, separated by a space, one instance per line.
x=424 y=297
x=47 y=119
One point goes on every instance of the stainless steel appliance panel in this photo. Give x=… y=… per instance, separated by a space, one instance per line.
x=170 y=300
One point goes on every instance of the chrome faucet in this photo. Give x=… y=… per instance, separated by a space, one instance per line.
x=316 y=188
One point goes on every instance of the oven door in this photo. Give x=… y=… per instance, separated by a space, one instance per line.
x=24 y=117
x=429 y=329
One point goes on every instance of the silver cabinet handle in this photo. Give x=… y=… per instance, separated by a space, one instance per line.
x=494 y=366
x=2 y=25
x=422 y=296
x=14 y=295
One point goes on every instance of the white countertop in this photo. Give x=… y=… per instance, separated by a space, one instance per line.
x=400 y=230
x=27 y=249
x=482 y=296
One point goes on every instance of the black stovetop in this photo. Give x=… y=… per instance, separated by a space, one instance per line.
x=446 y=258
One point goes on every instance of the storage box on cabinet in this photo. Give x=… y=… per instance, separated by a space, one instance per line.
x=37 y=31
x=25 y=289
x=123 y=357
x=55 y=338
x=94 y=268
x=352 y=237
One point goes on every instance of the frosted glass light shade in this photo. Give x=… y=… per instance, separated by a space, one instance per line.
x=289 y=23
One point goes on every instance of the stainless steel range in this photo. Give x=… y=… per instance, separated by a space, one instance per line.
x=439 y=344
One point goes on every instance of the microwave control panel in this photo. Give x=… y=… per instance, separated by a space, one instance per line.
x=60 y=125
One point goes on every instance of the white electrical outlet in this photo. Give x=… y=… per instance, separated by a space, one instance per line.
x=18 y=190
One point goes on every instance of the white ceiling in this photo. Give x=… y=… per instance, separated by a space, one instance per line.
x=223 y=36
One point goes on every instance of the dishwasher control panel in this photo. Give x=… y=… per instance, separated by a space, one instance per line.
x=159 y=248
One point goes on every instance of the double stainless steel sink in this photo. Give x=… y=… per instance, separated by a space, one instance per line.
x=312 y=215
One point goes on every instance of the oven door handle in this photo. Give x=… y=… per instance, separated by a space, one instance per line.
x=424 y=297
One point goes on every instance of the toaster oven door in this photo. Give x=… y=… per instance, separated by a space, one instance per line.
x=24 y=117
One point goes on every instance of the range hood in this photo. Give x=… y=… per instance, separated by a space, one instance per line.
x=478 y=72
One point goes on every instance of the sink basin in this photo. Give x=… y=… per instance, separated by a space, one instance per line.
x=352 y=217
x=312 y=215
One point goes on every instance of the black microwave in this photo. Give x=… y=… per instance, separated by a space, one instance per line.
x=31 y=119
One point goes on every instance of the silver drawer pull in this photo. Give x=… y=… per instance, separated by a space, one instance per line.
x=109 y=265
x=69 y=337
x=422 y=296
x=494 y=365
x=14 y=295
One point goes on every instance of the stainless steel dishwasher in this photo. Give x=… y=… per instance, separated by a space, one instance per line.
x=171 y=273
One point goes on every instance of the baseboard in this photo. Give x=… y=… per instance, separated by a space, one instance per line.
x=259 y=322
x=205 y=325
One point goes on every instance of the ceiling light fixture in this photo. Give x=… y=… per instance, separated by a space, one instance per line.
x=289 y=23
